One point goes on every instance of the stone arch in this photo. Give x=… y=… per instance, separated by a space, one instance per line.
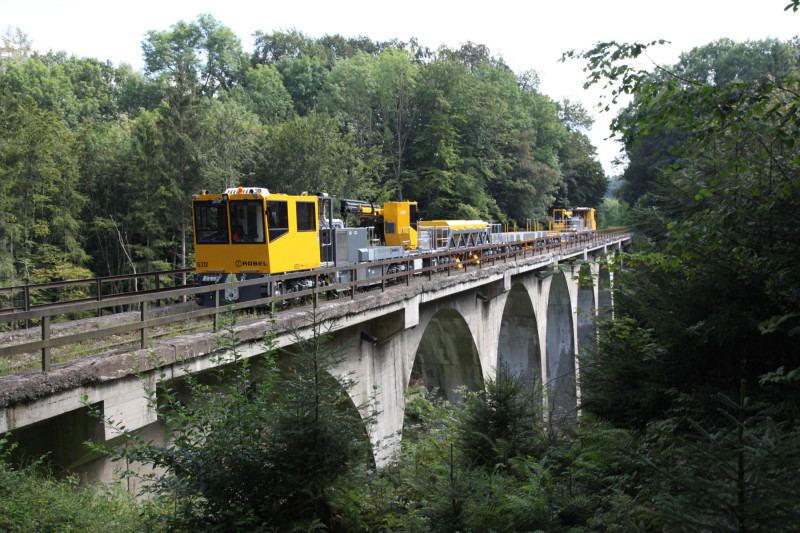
x=560 y=349
x=447 y=355
x=518 y=343
x=587 y=310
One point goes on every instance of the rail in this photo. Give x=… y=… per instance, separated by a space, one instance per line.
x=478 y=256
x=22 y=297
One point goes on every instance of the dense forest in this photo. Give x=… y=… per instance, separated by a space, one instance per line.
x=689 y=416
x=98 y=163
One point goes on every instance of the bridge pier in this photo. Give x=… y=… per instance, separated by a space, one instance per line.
x=462 y=338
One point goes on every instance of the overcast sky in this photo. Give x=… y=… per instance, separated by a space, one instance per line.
x=528 y=34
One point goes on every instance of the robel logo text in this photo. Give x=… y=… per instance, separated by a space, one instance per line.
x=239 y=263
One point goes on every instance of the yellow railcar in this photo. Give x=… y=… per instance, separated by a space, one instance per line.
x=247 y=230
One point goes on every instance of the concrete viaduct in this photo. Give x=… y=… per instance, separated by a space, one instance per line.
x=532 y=316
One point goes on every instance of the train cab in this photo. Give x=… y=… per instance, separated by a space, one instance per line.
x=247 y=230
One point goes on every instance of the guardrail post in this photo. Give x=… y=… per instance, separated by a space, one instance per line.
x=408 y=272
x=215 y=326
x=383 y=278
x=314 y=293
x=144 y=329
x=26 y=296
x=158 y=282
x=46 y=361
x=272 y=302
x=99 y=289
x=352 y=283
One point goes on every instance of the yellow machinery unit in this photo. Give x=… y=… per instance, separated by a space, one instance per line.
x=398 y=224
x=395 y=222
x=250 y=231
x=456 y=234
x=577 y=219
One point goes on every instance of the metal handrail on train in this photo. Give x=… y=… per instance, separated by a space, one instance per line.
x=482 y=254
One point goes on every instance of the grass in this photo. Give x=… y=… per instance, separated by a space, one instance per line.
x=31 y=499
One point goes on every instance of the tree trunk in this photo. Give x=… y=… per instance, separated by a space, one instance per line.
x=183 y=254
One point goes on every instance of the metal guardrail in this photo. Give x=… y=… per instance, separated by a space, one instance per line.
x=20 y=296
x=478 y=256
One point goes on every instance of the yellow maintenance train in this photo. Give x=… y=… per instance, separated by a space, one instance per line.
x=248 y=232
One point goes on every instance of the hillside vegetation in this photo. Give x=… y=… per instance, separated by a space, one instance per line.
x=99 y=163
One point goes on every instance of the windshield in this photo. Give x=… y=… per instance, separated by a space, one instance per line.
x=210 y=223
x=247 y=221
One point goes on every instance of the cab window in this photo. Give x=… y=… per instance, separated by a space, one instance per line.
x=306 y=216
x=277 y=218
x=247 y=223
x=210 y=222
